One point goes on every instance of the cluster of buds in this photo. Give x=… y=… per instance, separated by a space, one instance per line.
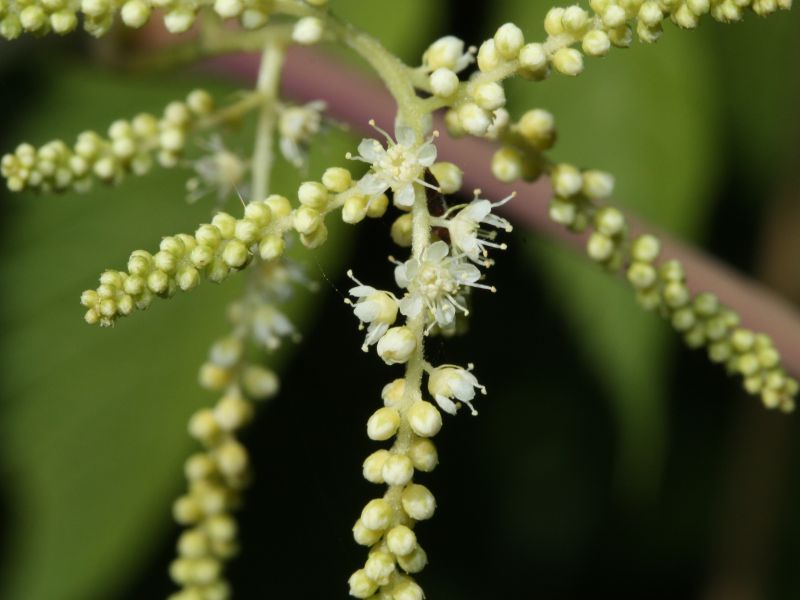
x=522 y=145
x=575 y=192
x=216 y=250
x=216 y=476
x=705 y=322
x=131 y=147
x=387 y=524
x=43 y=16
x=226 y=366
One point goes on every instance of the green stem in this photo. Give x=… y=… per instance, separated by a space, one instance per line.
x=268 y=83
x=420 y=240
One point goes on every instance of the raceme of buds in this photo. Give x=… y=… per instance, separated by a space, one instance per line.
x=214 y=252
x=130 y=147
x=41 y=17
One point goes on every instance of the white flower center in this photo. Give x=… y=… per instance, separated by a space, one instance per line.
x=399 y=164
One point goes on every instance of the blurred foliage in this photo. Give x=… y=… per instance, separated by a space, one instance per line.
x=647 y=115
x=93 y=419
x=92 y=431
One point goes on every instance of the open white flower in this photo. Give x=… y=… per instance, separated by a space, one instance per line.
x=270 y=326
x=397 y=167
x=298 y=125
x=447 y=383
x=221 y=171
x=375 y=307
x=434 y=283
x=466 y=233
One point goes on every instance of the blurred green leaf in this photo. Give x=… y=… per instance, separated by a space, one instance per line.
x=761 y=95
x=647 y=116
x=93 y=425
x=404 y=27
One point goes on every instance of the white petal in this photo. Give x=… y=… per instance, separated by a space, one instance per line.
x=361 y=290
x=477 y=210
x=465 y=273
x=400 y=276
x=446 y=404
x=411 y=305
x=366 y=311
x=375 y=332
x=445 y=313
x=427 y=155
x=437 y=251
x=404 y=196
x=371 y=150
x=372 y=184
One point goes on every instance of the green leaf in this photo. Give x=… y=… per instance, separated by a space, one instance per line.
x=761 y=94
x=94 y=421
x=405 y=28
x=646 y=115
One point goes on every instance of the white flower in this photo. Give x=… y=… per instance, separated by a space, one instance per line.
x=398 y=166
x=465 y=230
x=270 y=325
x=221 y=171
x=298 y=125
x=375 y=307
x=447 y=383
x=434 y=283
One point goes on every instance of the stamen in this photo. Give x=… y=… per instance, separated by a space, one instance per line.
x=435 y=188
x=353 y=277
x=382 y=131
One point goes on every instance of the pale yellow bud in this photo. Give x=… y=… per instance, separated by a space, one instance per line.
x=279 y=205
x=424 y=418
x=379 y=566
x=354 y=209
x=508 y=40
x=444 y=83
x=568 y=61
x=372 y=469
x=377 y=514
x=337 y=179
x=401 y=540
x=418 y=502
x=361 y=586
x=383 y=424
x=397 y=345
x=398 y=470
x=423 y=454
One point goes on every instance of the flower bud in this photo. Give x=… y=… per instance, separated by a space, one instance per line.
x=508 y=40
x=444 y=83
x=424 y=419
x=377 y=514
x=383 y=424
x=397 y=345
x=398 y=470
x=418 y=502
x=372 y=469
x=308 y=31
x=401 y=540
